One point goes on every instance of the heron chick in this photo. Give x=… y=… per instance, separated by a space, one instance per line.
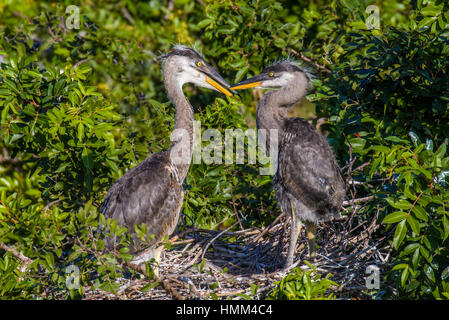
x=308 y=182
x=152 y=192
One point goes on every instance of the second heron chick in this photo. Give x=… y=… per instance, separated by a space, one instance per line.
x=308 y=183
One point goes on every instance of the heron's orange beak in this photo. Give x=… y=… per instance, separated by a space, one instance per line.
x=218 y=86
x=247 y=85
x=253 y=82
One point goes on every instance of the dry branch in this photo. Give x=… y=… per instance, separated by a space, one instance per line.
x=19 y=255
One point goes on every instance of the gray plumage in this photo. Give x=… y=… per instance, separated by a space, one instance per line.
x=152 y=192
x=149 y=193
x=307 y=173
x=308 y=182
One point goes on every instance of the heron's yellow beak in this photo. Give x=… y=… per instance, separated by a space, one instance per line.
x=247 y=85
x=218 y=86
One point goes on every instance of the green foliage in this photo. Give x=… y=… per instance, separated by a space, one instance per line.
x=387 y=102
x=212 y=190
x=420 y=220
x=60 y=122
x=303 y=285
x=79 y=107
x=57 y=242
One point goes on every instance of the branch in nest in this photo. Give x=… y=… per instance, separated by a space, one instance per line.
x=215 y=238
x=359 y=200
x=269 y=227
x=171 y=290
x=189 y=286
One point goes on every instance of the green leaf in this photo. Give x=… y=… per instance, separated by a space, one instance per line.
x=395 y=217
x=80 y=134
x=241 y=73
x=15 y=137
x=445 y=274
x=401 y=204
x=414 y=224
x=415 y=258
x=110 y=287
x=441 y=150
x=410 y=248
x=149 y=286
x=428 y=271
x=280 y=43
x=404 y=276
x=399 y=234
x=420 y=213
x=445 y=222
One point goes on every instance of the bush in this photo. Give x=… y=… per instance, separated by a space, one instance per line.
x=79 y=107
x=303 y=285
x=388 y=103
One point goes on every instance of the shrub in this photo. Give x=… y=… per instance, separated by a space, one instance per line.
x=80 y=106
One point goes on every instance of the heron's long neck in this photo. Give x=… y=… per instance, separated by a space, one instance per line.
x=182 y=136
x=272 y=108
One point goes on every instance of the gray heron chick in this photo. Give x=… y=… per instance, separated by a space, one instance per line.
x=152 y=192
x=308 y=183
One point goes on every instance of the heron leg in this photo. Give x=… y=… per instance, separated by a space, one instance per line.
x=147 y=255
x=157 y=258
x=311 y=228
x=294 y=233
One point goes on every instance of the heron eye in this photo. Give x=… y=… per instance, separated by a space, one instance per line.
x=199 y=63
x=271 y=74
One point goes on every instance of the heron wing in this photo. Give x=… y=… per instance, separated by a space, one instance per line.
x=307 y=168
x=148 y=193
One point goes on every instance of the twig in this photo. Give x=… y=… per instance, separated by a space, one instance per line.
x=51 y=204
x=127 y=15
x=171 y=290
x=215 y=238
x=232 y=293
x=222 y=221
x=9 y=213
x=362 y=166
x=169 y=9
x=303 y=57
x=235 y=210
x=190 y=286
x=161 y=282
x=201 y=3
x=6 y=159
x=80 y=62
x=359 y=200
x=19 y=255
x=269 y=227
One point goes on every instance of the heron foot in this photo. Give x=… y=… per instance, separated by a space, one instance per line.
x=147 y=255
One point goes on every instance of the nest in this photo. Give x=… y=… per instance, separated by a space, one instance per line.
x=206 y=264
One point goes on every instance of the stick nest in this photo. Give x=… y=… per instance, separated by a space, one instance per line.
x=206 y=264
